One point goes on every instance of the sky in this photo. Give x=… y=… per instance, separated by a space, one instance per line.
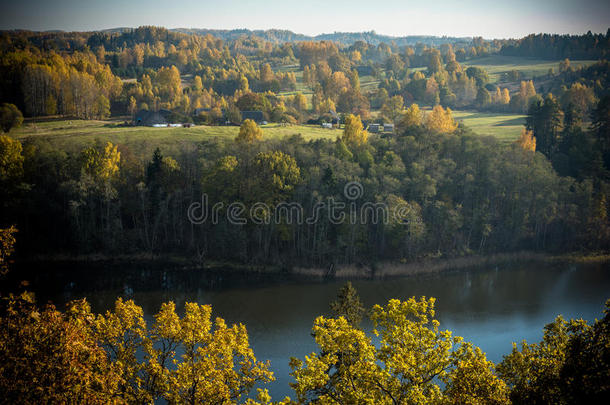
x=489 y=19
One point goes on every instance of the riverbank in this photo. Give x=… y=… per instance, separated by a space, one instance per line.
x=378 y=270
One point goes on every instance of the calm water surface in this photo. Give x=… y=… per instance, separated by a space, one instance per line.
x=491 y=307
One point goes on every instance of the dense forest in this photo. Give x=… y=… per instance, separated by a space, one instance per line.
x=461 y=193
x=589 y=46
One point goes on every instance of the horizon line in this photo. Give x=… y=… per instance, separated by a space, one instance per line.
x=372 y=31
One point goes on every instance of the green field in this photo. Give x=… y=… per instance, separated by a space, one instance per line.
x=497 y=64
x=506 y=127
x=76 y=134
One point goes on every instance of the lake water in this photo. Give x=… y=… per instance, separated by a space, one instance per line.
x=491 y=307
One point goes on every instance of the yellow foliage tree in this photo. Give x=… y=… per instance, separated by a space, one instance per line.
x=102 y=164
x=441 y=120
x=326 y=106
x=411 y=117
x=412 y=357
x=7 y=243
x=505 y=96
x=217 y=364
x=52 y=357
x=527 y=140
x=354 y=133
x=249 y=132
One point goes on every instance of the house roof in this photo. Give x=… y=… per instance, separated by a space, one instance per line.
x=257 y=116
x=146 y=117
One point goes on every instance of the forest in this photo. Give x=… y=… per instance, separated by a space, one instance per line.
x=460 y=193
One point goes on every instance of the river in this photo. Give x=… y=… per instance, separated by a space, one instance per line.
x=492 y=307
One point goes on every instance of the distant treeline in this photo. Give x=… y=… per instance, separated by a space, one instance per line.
x=548 y=46
x=346 y=38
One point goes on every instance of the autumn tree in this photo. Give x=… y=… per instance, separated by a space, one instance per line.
x=413 y=356
x=440 y=120
x=435 y=63
x=102 y=107
x=11 y=160
x=526 y=140
x=169 y=85
x=354 y=133
x=7 y=247
x=249 y=132
x=412 y=117
x=50 y=356
x=580 y=99
x=213 y=352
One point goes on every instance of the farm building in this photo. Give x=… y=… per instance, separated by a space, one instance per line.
x=151 y=118
x=256 y=116
x=373 y=128
x=335 y=120
x=388 y=128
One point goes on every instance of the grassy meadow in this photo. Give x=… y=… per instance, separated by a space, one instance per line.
x=506 y=127
x=496 y=65
x=77 y=134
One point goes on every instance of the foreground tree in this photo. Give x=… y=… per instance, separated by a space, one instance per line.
x=570 y=365
x=212 y=352
x=52 y=357
x=413 y=356
x=76 y=357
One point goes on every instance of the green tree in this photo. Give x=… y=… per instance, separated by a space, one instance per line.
x=348 y=305
x=11 y=160
x=393 y=108
x=533 y=373
x=102 y=107
x=545 y=119
x=483 y=97
x=10 y=117
x=276 y=174
x=412 y=117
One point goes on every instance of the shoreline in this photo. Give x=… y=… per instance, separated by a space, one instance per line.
x=378 y=270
